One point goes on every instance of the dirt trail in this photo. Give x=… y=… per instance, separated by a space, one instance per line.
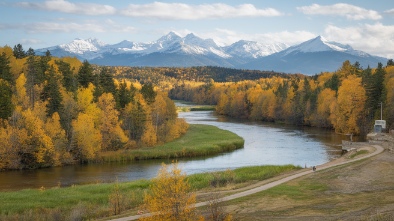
x=341 y=161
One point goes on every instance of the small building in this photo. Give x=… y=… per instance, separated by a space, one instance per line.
x=380 y=125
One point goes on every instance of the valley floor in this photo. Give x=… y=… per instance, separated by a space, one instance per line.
x=357 y=186
x=363 y=190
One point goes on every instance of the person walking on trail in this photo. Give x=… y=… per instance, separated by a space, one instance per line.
x=314 y=168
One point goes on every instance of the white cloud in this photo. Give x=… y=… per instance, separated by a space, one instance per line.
x=115 y=27
x=351 y=12
x=52 y=27
x=172 y=11
x=31 y=41
x=391 y=11
x=226 y=37
x=376 y=39
x=71 y=27
x=69 y=7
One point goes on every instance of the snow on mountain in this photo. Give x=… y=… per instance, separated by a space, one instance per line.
x=127 y=47
x=309 y=57
x=254 y=49
x=312 y=57
x=80 y=46
x=320 y=44
x=170 y=43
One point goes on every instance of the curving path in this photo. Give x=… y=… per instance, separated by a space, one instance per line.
x=378 y=150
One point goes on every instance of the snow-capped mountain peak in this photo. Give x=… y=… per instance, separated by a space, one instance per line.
x=319 y=44
x=254 y=49
x=170 y=37
x=310 y=57
x=80 y=46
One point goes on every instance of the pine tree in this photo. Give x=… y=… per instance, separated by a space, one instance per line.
x=52 y=93
x=5 y=69
x=390 y=62
x=30 y=52
x=69 y=81
x=125 y=95
x=6 y=106
x=106 y=81
x=149 y=93
x=34 y=76
x=19 y=53
x=85 y=74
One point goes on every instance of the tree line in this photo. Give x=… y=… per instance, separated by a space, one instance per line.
x=58 y=111
x=347 y=100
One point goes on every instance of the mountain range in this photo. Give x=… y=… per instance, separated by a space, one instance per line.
x=310 y=57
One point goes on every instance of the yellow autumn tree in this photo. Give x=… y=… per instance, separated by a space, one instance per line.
x=40 y=149
x=113 y=136
x=85 y=100
x=86 y=138
x=9 y=147
x=55 y=131
x=169 y=197
x=268 y=105
x=223 y=104
x=149 y=137
x=325 y=100
x=20 y=96
x=350 y=105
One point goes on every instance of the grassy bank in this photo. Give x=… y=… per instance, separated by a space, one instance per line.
x=199 y=140
x=196 y=108
x=93 y=201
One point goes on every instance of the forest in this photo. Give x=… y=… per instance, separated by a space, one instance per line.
x=59 y=111
x=348 y=100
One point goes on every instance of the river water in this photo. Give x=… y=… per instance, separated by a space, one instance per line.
x=265 y=143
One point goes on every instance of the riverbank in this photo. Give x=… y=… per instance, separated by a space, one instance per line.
x=284 y=192
x=342 y=189
x=199 y=140
x=94 y=200
x=335 y=190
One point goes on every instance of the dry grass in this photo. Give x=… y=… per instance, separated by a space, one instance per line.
x=361 y=191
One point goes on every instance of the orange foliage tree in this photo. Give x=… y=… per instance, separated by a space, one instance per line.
x=350 y=104
x=169 y=197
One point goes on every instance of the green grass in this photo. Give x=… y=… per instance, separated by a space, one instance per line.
x=240 y=175
x=304 y=191
x=196 y=108
x=92 y=201
x=203 y=108
x=199 y=140
x=361 y=152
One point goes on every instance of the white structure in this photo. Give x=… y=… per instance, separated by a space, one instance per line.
x=382 y=123
x=380 y=126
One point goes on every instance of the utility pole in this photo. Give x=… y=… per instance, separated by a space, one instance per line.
x=381 y=110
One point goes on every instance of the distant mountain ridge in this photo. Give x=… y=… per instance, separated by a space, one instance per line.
x=171 y=50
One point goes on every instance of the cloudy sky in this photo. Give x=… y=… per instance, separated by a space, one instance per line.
x=365 y=25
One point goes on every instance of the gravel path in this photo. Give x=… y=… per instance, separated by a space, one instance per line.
x=378 y=150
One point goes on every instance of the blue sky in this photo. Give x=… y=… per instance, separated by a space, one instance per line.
x=365 y=25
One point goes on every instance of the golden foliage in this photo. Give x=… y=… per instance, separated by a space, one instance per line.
x=20 y=96
x=86 y=138
x=350 y=104
x=169 y=197
x=112 y=134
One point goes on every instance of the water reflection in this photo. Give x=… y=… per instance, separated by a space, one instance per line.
x=265 y=143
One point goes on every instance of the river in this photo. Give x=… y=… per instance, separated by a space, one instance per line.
x=265 y=143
